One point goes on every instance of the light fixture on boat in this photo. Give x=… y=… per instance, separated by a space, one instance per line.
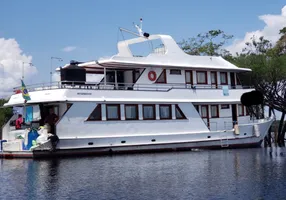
x=146 y=35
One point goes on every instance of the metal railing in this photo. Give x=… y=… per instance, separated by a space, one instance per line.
x=120 y=86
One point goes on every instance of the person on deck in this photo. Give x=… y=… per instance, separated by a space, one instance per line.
x=19 y=122
x=51 y=119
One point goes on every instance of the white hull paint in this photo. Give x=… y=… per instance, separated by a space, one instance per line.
x=192 y=102
x=171 y=142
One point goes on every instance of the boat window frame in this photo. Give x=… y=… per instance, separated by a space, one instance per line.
x=175 y=71
x=217 y=111
x=154 y=111
x=206 y=79
x=137 y=111
x=207 y=116
x=98 y=106
x=191 y=77
x=177 y=108
x=242 y=110
x=164 y=75
x=118 y=112
x=170 y=111
x=225 y=106
x=226 y=78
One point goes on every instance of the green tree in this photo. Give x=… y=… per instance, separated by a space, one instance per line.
x=209 y=43
x=5 y=114
x=268 y=64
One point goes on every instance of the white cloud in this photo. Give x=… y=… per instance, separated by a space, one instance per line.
x=69 y=49
x=56 y=77
x=11 y=63
x=273 y=23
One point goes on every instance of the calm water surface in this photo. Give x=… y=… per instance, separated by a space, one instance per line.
x=223 y=174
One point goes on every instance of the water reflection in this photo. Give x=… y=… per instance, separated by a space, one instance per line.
x=223 y=174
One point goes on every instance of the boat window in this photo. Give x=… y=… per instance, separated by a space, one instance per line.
x=205 y=112
x=223 y=78
x=213 y=78
x=179 y=113
x=113 y=112
x=197 y=108
x=165 y=111
x=131 y=112
x=240 y=110
x=189 y=77
x=96 y=114
x=175 y=71
x=202 y=77
x=149 y=112
x=214 y=111
x=224 y=106
x=162 y=78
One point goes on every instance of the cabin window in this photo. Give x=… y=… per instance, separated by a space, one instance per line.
x=197 y=108
x=205 y=112
x=165 y=111
x=179 y=113
x=131 y=112
x=223 y=78
x=175 y=71
x=225 y=106
x=202 y=77
x=149 y=112
x=112 y=111
x=240 y=110
x=189 y=77
x=214 y=111
x=96 y=114
x=213 y=78
x=162 y=78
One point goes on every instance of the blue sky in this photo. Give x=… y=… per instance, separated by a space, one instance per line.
x=43 y=28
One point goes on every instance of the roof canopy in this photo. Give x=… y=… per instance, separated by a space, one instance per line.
x=172 y=57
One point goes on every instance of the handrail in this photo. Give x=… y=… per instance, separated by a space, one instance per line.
x=121 y=86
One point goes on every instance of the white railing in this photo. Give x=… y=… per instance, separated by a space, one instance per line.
x=120 y=86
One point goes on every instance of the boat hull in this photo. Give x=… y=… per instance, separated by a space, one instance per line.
x=174 y=142
x=188 y=146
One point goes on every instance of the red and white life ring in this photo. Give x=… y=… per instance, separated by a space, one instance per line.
x=152 y=76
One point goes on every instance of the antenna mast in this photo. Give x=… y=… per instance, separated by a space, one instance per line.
x=139 y=29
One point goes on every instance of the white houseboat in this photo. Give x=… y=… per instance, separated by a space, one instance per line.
x=167 y=100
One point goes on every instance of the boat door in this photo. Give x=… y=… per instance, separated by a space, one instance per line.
x=234 y=113
x=214 y=79
x=232 y=80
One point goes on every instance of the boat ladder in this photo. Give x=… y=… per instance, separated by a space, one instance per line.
x=224 y=142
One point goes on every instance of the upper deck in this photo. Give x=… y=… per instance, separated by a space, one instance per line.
x=98 y=92
x=170 y=71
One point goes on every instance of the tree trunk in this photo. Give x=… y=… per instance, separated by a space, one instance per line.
x=283 y=135
x=267 y=139
x=280 y=128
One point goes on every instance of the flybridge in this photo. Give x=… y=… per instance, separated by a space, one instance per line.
x=167 y=54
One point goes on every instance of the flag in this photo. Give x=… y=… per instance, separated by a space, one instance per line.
x=25 y=93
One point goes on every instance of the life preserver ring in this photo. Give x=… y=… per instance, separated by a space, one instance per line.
x=152 y=76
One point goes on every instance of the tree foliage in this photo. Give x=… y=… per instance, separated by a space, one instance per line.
x=209 y=43
x=5 y=113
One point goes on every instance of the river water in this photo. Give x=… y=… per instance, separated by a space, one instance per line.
x=218 y=174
